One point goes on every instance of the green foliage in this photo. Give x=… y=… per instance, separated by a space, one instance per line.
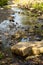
x=1 y=55
x=38 y=6
x=3 y=2
x=31 y=3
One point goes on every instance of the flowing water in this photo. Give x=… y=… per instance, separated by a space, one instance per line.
x=23 y=20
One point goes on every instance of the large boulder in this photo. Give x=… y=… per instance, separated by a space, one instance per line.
x=28 y=48
x=22 y=48
x=38 y=48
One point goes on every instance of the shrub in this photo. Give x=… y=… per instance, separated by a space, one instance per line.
x=1 y=55
x=3 y=2
x=38 y=6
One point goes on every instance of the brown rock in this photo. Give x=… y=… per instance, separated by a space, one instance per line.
x=31 y=57
x=41 y=50
x=17 y=35
x=6 y=34
x=35 y=50
x=38 y=48
x=22 y=48
x=11 y=18
x=28 y=48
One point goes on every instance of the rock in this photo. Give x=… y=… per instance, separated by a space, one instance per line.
x=4 y=62
x=16 y=23
x=38 y=48
x=31 y=57
x=41 y=50
x=22 y=48
x=35 y=50
x=17 y=35
x=31 y=9
x=11 y=18
x=28 y=48
x=39 y=43
x=38 y=39
x=6 y=34
x=31 y=30
x=41 y=17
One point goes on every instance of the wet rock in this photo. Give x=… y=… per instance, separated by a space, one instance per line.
x=22 y=27
x=17 y=35
x=38 y=39
x=26 y=29
x=11 y=19
x=18 y=27
x=6 y=34
x=16 y=23
x=19 y=12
